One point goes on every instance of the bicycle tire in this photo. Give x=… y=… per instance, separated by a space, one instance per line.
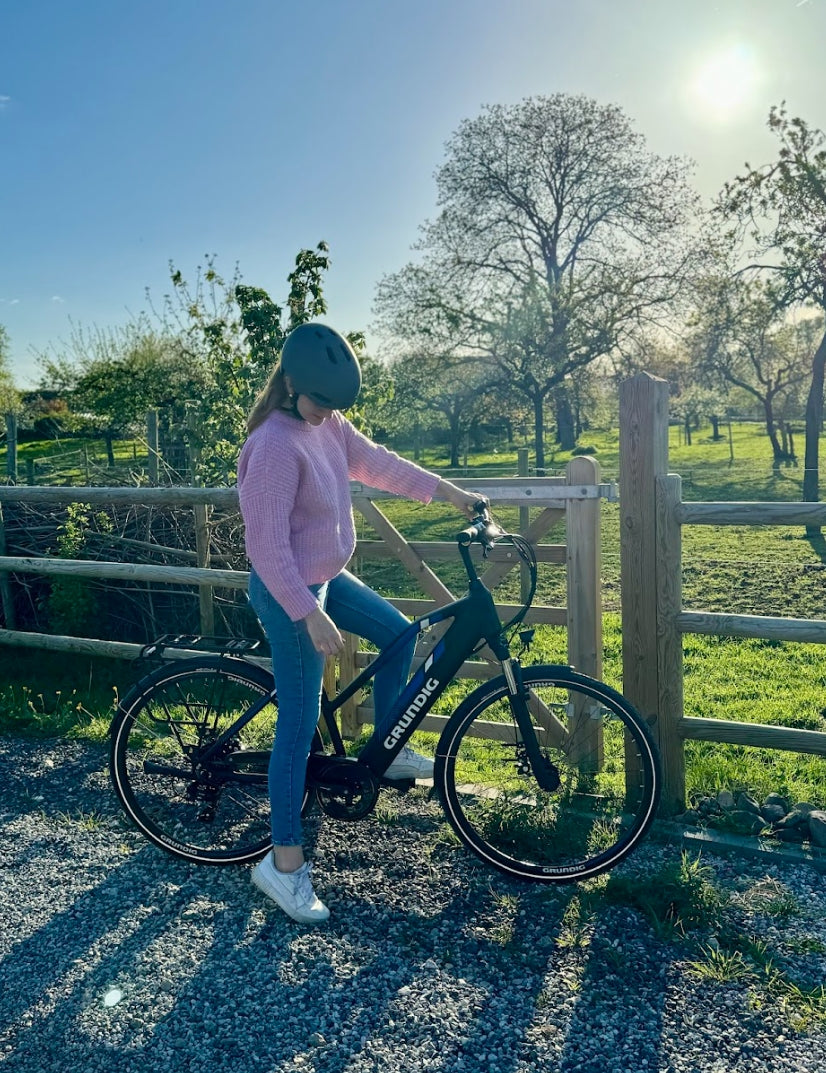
x=214 y=815
x=591 y=738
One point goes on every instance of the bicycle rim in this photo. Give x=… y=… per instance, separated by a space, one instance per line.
x=593 y=744
x=214 y=814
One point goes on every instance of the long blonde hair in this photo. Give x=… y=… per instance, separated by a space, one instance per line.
x=272 y=396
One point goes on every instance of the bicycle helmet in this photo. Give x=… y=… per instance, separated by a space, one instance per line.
x=321 y=363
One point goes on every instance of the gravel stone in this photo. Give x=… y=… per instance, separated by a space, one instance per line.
x=115 y=956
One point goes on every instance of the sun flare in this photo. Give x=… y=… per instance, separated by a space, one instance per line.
x=725 y=82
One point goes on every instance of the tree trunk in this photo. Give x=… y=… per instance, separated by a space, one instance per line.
x=539 y=434
x=778 y=454
x=814 y=420
x=455 y=436
x=715 y=427
x=110 y=450
x=565 y=430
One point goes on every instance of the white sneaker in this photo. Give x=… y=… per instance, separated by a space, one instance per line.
x=410 y=765
x=293 y=891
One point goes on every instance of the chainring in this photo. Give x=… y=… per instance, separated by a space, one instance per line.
x=345 y=789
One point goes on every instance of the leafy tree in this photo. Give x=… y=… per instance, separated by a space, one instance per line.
x=112 y=378
x=9 y=395
x=741 y=336
x=452 y=386
x=780 y=208
x=237 y=332
x=558 y=235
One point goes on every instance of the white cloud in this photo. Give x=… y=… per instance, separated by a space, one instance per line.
x=4 y=101
x=9 y=301
x=57 y=298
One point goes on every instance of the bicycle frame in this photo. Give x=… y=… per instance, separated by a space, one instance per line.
x=474 y=619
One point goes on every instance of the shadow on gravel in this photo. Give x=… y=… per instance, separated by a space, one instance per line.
x=429 y=962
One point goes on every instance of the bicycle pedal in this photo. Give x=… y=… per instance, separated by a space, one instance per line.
x=400 y=785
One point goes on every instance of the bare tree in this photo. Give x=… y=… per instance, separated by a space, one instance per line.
x=558 y=234
x=781 y=208
x=741 y=335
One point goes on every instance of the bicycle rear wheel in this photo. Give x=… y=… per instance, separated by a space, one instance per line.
x=600 y=773
x=212 y=813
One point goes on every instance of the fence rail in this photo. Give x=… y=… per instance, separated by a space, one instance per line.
x=575 y=498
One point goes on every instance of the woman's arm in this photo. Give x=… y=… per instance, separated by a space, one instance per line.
x=463 y=501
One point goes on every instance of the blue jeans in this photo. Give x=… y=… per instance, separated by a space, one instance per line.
x=298 y=668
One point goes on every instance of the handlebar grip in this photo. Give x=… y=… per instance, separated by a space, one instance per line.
x=467 y=536
x=481 y=529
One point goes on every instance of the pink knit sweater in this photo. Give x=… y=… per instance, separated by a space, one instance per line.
x=294 y=489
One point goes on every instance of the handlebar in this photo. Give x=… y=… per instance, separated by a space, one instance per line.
x=482 y=529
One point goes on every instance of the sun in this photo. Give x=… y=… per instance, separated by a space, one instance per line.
x=724 y=83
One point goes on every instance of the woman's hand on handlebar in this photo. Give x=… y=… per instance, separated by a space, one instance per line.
x=466 y=502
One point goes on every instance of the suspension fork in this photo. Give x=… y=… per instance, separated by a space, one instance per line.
x=544 y=772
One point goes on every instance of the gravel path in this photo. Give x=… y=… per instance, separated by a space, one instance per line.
x=116 y=956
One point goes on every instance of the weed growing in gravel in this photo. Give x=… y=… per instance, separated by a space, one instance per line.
x=805 y=944
x=772 y=898
x=677 y=898
x=85 y=821
x=742 y=957
x=506 y=908
x=577 y=924
x=387 y=810
x=720 y=966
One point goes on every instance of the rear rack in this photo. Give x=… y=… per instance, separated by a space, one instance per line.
x=222 y=646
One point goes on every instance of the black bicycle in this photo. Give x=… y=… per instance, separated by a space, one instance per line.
x=545 y=773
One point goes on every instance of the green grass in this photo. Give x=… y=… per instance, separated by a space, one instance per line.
x=49 y=694
x=62 y=461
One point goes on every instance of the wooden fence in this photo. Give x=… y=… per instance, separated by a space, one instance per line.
x=652 y=514
x=542 y=501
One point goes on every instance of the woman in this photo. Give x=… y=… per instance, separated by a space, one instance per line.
x=294 y=476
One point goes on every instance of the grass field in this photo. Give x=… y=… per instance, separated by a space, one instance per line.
x=751 y=570
x=71 y=461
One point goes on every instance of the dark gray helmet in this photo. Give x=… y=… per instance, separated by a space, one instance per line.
x=321 y=363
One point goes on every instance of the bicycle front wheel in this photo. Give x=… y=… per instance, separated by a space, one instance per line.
x=593 y=799
x=213 y=811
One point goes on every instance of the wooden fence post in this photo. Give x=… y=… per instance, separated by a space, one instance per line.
x=153 y=445
x=11 y=447
x=524 y=522
x=583 y=560
x=644 y=458
x=670 y=642
x=348 y=669
x=584 y=571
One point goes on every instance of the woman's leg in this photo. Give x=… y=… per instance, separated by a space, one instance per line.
x=356 y=608
x=297 y=670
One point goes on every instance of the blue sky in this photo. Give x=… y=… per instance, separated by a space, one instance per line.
x=135 y=132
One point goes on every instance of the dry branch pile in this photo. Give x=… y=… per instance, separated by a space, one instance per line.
x=139 y=534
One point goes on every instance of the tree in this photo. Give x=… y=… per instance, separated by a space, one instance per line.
x=441 y=383
x=237 y=332
x=9 y=395
x=113 y=377
x=740 y=335
x=558 y=235
x=781 y=208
